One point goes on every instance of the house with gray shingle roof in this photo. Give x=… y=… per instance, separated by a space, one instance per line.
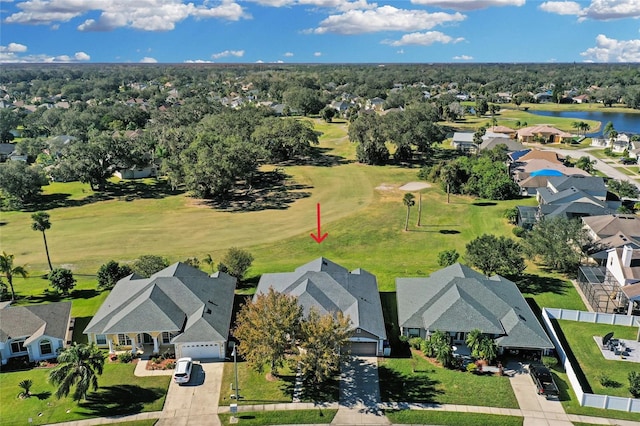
x=330 y=288
x=457 y=300
x=179 y=305
x=35 y=331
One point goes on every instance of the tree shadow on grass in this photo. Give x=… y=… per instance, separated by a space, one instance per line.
x=535 y=284
x=326 y=392
x=398 y=387
x=484 y=203
x=319 y=157
x=120 y=399
x=42 y=395
x=273 y=190
x=126 y=190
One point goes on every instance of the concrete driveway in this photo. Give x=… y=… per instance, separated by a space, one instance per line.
x=194 y=403
x=536 y=409
x=359 y=393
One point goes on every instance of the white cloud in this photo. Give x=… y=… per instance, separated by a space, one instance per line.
x=600 y=10
x=342 y=5
x=612 y=50
x=7 y=56
x=288 y=54
x=197 y=61
x=317 y=54
x=385 y=18
x=468 y=4
x=424 y=39
x=81 y=56
x=400 y=52
x=148 y=15
x=463 y=58
x=227 y=53
x=14 y=48
x=561 y=7
x=148 y=60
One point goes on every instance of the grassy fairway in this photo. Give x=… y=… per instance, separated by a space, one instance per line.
x=451 y=418
x=119 y=393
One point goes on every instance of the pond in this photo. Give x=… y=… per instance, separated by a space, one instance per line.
x=623 y=122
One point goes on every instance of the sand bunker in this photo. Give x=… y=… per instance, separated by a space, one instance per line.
x=414 y=186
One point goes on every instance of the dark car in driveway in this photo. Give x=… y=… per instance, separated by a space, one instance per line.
x=542 y=378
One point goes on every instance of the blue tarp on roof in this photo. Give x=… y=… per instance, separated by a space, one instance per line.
x=546 y=172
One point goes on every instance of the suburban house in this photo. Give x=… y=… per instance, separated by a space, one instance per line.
x=543 y=134
x=330 y=288
x=463 y=141
x=618 y=144
x=375 y=104
x=35 y=331
x=179 y=306
x=137 y=172
x=511 y=144
x=503 y=130
x=457 y=300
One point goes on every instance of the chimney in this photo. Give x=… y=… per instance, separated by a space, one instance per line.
x=627 y=252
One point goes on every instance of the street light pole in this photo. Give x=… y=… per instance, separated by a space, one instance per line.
x=235 y=369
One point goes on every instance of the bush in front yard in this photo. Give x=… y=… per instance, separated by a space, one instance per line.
x=549 y=361
x=416 y=342
x=634 y=383
x=125 y=357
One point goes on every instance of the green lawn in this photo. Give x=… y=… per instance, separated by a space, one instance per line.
x=579 y=335
x=256 y=389
x=119 y=393
x=290 y=417
x=450 y=418
x=417 y=380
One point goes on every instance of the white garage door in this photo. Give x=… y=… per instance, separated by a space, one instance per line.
x=200 y=350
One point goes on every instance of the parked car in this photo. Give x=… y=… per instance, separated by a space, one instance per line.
x=182 y=373
x=628 y=160
x=542 y=378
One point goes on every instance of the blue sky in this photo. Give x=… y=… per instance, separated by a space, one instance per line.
x=312 y=31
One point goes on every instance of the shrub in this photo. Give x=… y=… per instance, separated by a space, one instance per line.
x=62 y=280
x=634 y=383
x=110 y=273
x=125 y=357
x=607 y=382
x=171 y=365
x=448 y=257
x=550 y=361
x=472 y=368
x=149 y=264
x=519 y=232
x=403 y=339
x=511 y=215
x=416 y=342
x=236 y=262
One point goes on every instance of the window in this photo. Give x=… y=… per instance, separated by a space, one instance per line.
x=413 y=332
x=17 y=347
x=101 y=339
x=124 y=340
x=45 y=347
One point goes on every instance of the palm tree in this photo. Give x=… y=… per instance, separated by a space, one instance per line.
x=488 y=349
x=474 y=337
x=41 y=223
x=25 y=385
x=7 y=268
x=409 y=201
x=79 y=366
x=209 y=261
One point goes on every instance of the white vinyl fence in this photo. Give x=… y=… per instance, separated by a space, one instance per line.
x=589 y=399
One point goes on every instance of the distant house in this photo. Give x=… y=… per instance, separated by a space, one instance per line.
x=340 y=106
x=463 y=141
x=137 y=172
x=35 y=331
x=375 y=104
x=180 y=307
x=6 y=149
x=511 y=144
x=331 y=288
x=457 y=300
x=504 y=130
x=612 y=231
x=581 y=99
x=543 y=134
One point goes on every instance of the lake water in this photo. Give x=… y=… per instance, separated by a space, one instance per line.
x=622 y=122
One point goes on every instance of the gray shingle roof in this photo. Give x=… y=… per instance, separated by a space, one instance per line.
x=331 y=288
x=49 y=319
x=179 y=298
x=458 y=298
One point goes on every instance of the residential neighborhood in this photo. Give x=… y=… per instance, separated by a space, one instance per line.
x=322 y=245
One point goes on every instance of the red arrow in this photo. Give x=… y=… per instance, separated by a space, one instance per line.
x=319 y=238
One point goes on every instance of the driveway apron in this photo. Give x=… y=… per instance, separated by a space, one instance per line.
x=360 y=393
x=195 y=403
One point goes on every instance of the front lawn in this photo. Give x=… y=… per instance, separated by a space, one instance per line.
x=119 y=393
x=417 y=380
x=289 y=417
x=579 y=336
x=255 y=388
x=450 y=418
